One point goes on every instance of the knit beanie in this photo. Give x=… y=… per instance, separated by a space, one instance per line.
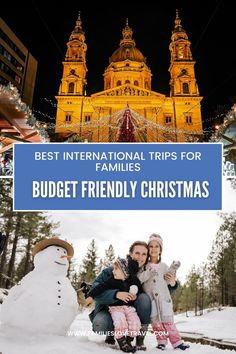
x=156 y=237
x=128 y=266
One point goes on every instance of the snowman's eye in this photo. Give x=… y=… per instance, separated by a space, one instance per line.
x=58 y=249
x=64 y=252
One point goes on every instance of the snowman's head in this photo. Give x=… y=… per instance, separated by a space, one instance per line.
x=52 y=260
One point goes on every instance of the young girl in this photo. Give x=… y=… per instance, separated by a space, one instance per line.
x=124 y=316
x=154 y=284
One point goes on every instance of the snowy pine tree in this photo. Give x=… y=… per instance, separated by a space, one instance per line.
x=109 y=257
x=89 y=265
x=107 y=261
x=100 y=266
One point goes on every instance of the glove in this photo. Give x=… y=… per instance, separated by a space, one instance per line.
x=85 y=288
x=174 y=266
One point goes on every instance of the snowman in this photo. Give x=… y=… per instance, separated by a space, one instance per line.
x=44 y=301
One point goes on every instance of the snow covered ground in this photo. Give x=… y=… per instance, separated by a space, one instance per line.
x=215 y=324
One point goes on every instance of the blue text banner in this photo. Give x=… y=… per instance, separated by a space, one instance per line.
x=125 y=176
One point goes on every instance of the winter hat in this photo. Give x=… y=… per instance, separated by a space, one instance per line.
x=156 y=237
x=54 y=241
x=128 y=266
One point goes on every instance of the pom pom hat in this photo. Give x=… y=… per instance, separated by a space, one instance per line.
x=128 y=266
x=156 y=237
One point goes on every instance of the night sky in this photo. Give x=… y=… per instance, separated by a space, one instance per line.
x=210 y=25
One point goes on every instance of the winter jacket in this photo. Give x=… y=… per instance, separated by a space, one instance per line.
x=156 y=287
x=108 y=297
x=118 y=285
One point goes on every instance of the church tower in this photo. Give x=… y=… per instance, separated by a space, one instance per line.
x=183 y=85
x=74 y=67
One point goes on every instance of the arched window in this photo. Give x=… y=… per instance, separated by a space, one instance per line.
x=168 y=119
x=136 y=82
x=118 y=83
x=127 y=82
x=185 y=87
x=68 y=117
x=71 y=87
x=188 y=119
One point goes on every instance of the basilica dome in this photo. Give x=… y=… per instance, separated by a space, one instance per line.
x=127 y=49
x=127 y=52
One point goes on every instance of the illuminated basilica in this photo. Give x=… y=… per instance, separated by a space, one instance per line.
x=128 y=109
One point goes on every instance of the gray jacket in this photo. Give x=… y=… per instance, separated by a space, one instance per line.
x=156 y=287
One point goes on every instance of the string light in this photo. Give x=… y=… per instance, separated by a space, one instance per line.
x=111 y=121
x=228 y=120
x=40 y=126
x=207 y=120
x=13 y=94
x=95 y=123
x=229 y=168
x=45 y=115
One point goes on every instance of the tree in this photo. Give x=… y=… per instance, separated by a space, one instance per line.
x=214 y=283
x=184 y=299
x=176 y=297
x=107 y=261
x=20 y=269
x=11 y=265
x=229 y=266
x=221 y=264
x=88 y=273
x=6 y=223
x=201 y=285
x=22 y=230
x=126 y=132
x=100 y=266
x=34 y=227
x=191 y=291
x=109 y=257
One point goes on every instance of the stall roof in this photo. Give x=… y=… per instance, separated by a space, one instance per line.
x=13 y=120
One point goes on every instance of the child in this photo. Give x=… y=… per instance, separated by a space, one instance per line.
x=154 y=284
x=123 y=313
